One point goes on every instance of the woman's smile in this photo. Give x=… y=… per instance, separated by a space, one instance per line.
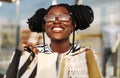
x=57 y=29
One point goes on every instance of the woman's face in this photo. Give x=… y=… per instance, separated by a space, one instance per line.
x=58 y=23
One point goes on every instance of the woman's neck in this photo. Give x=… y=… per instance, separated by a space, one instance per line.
x=60 y=47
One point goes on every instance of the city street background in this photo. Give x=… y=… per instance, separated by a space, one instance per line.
x=14 y=29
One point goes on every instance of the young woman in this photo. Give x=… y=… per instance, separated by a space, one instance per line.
x=60 y=58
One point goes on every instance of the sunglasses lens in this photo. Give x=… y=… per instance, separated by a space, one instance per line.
x=61 y=17
x=64 y=17
x=49 y=18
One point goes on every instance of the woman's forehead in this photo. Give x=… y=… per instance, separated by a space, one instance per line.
x=58 y=10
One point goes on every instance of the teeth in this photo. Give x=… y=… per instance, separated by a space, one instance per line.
x=57 y=29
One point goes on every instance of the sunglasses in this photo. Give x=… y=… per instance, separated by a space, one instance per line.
x=61 y=18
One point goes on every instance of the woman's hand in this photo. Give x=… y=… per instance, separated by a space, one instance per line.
x=30 y=47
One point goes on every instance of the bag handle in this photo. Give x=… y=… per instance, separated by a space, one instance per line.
x=93 y=69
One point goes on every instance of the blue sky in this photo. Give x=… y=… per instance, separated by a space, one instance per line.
x=26 y=7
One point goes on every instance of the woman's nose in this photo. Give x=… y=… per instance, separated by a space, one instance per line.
x=57 y=20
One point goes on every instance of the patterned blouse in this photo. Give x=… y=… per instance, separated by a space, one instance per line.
x=48 y=64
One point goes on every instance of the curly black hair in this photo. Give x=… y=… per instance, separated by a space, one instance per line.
x=82 y=16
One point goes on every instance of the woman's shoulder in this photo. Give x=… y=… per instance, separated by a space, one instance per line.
x=43 y=48
x=40 y=47
x=86 y=48
x=79 y=49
